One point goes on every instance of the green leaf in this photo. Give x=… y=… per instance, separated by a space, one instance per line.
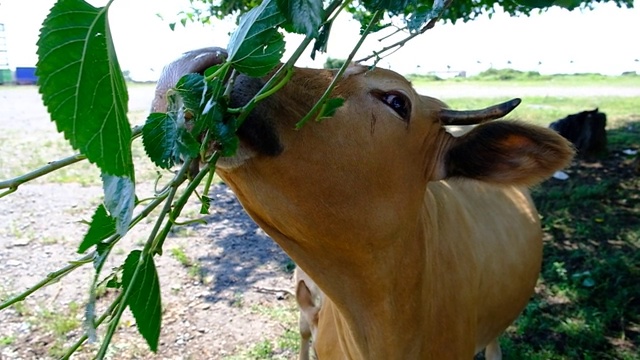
x=101 y=227
x=191 y=89
x=113 y=284
x=206 y=204
x=119 y=200
x=159 y=138
x=304 y=16
x=223 y=129
x=330 y=107
x=187 y=145
x=263 y=59
x=321 y=41
x=144 y=299
x=82 y=85
x=256 y=47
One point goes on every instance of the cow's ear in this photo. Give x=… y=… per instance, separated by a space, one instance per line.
x=507 y=153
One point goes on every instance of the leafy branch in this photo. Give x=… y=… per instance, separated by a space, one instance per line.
x=439 y=7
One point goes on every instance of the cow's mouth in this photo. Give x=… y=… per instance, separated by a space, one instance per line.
x=258 y=131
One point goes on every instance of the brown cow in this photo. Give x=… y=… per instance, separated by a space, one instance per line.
x=425 y=245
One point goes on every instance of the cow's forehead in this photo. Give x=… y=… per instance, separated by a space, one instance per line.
x=378 y=78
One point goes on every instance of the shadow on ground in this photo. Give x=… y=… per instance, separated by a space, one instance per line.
x=243 y=255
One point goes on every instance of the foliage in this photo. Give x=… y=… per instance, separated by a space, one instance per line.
x=414 y=12
x=507 y=74
x=332 y=63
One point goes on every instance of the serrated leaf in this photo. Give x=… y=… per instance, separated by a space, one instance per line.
x=165 y=142
x=159 y=138
x=256 y=46
x=119 y=200
x=191 y=89
x=82 y=85
x=144 y=299
x=186 y=144
x=263 y=59
x=101 y=227
x=330 y=107
x=304 y=16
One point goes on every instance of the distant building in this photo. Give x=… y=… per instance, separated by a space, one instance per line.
x=5 y=72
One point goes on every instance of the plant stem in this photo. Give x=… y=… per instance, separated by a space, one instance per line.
x=439 y=10
x=180 y=203
x=321 y=102
x=12 y=184
x=180 y=177
x=99 y=321
x=58 y=274
x=51 y=277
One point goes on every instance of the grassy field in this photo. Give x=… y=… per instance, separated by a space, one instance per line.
x=587 y=302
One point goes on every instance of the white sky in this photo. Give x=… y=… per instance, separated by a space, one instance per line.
x=604 y=40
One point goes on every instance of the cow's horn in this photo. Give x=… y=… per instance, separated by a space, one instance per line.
x=472 y=117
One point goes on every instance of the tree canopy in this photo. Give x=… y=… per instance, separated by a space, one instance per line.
x=413 y=11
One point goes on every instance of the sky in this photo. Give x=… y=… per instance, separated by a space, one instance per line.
x=604 y=40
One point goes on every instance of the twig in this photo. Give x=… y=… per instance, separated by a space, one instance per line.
x=51 y=277
x=401 y=43
x=58 y=274
x=284 y=71
x=12 y=184
x=99 y=321
x=180 y=177
x=276 y=291
x=319 y=105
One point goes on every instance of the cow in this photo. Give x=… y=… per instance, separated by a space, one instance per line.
x=424 y=245
x=586 y=130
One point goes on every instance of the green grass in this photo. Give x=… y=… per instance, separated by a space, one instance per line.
x=510 y=77
x=587 y=303
x=281 y=347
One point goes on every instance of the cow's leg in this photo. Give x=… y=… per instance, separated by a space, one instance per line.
x=305 y=338
x=493 y=351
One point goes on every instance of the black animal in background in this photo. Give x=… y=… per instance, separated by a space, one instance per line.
x=586 y=130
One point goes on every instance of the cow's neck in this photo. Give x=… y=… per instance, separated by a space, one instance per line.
x=364 y=262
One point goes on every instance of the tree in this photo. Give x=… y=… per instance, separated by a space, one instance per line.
x=332 y=63
x=464 y=10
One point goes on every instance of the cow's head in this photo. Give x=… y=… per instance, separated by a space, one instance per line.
x=376 y=154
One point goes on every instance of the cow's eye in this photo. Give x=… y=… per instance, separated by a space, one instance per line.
x=398 y=102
